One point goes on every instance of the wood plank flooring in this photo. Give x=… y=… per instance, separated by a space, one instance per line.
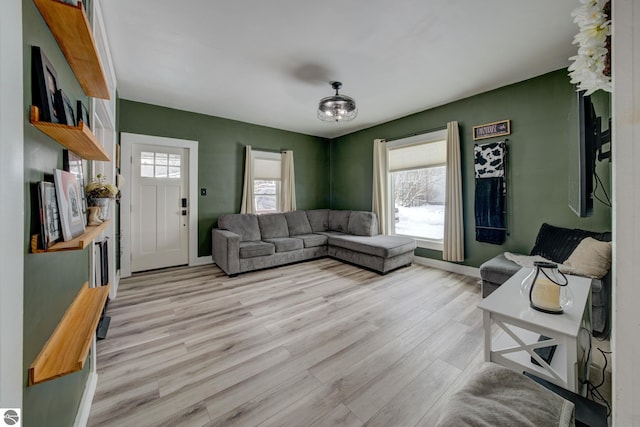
x=319 y=343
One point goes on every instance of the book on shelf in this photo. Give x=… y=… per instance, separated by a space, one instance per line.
x=49 y=214
x=69 y=204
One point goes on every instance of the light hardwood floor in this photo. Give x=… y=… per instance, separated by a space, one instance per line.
x=318 y=343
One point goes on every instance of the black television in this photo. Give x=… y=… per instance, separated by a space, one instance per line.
x=589 y=150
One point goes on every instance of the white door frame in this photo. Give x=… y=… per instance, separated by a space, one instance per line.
x=126 y=142
x=12 y=187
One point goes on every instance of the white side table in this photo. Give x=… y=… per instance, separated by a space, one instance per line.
x=518 y=327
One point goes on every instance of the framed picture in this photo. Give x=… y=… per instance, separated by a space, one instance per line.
x=73 y=163
x=49 y=215
x=66 y=116
x=69 y=204
x=491 y=130
x=83 y=115
x=44 y=84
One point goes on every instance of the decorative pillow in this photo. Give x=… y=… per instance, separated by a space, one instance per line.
x=557 y=243
x=591 y=258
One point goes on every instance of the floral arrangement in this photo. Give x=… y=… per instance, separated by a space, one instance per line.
x=98 y=188
x=591 y=68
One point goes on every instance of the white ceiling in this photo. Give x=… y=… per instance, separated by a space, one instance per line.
x=270 y=62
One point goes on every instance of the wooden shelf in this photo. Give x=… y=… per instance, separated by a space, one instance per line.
x=80 y=242
x=78 y=139
x=70 y=27
x=67 y=348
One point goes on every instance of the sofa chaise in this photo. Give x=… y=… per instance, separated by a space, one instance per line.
x=556 y=244
x=247 y=242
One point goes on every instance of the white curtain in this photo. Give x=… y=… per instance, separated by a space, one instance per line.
x=379 y=196
x=453 y=249
x=288 y=190
x=248 y=203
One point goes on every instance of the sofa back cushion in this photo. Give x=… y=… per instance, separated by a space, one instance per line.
x=558 y=243
x=244 y=225
x=318 y=219
x=298 y=223
x=273 y=225
x=339 y=221
x=363 y=223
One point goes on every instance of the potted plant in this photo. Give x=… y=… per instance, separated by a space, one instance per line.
x=100 y=193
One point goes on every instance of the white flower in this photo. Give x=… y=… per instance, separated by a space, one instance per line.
x=587 y=69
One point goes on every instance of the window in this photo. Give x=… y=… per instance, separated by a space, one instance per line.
x=159 y=165
x=266 y=181
x=417 y=178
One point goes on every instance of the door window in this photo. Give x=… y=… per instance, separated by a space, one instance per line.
x=159 y=165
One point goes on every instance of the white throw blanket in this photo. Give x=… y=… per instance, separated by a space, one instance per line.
x=495 y=396
x=525 y=260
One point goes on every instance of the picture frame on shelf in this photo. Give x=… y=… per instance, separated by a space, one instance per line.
x=44 y=85
x=66 y=115
x=74 y=164
x=69 y=204
x=82 y=114
x=49 y=214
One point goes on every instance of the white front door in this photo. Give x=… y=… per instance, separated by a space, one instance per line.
x=159 y=207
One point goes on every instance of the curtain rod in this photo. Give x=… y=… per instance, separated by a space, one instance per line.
x=270 y=150
x=416 y=133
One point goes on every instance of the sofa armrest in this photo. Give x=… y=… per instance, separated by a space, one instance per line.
x=225 y=250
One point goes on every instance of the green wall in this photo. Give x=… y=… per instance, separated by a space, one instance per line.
x=221 y=145
x=543 y=114
x=51 y=281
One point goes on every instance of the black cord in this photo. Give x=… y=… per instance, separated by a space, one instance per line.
x=592 y=390
x=604 y=191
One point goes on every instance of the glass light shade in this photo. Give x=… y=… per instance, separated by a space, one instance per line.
x=546 y=288
x=337 y=108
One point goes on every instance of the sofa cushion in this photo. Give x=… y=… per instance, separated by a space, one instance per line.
x=363 y=223
x=273 y=225
x=313 y=240
x=557 y=243
x=380 y=245
x=339 y=221
x=286 y=244
x=298 y=223
x=244 y=225
x=255 y=249
x=318 y=219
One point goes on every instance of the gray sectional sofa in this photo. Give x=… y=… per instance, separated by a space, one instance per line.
x=246 y=242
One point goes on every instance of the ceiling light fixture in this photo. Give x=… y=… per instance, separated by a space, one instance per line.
x=337 y=108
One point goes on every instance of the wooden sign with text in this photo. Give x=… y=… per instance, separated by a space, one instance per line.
x=490 y=130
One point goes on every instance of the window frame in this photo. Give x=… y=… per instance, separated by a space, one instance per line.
x=272 y=156
x=424 y=138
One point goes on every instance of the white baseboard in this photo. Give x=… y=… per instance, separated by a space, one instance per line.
x=202 y=260
x=82 y=417
x=448 y=266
